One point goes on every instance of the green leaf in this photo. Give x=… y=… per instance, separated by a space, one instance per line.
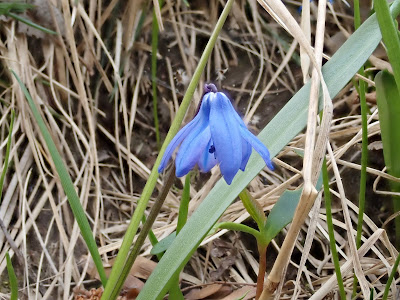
x=67 y=185
x=388 y=100
x=163 y=245
x=280 y=131
x=390 y=36
x=282 y=213
x=253 y=208
x=13 y=278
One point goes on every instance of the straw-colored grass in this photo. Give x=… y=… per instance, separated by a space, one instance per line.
x=92 y=83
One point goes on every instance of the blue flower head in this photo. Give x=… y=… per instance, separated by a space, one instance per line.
x=216 y=135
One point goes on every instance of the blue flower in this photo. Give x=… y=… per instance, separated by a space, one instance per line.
x=216 y=135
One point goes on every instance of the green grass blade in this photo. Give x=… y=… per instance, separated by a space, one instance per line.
x=390 y=36
x=7 y=156
x=281 y=130
x=391 y=277
x=361 y=89
x=15 y=6
x=30 y=23
x=154 y=49
x=13 y=278
x=329 y=222
x=68 y=186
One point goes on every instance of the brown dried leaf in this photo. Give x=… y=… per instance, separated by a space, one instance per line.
x=249 y=291
x=204 y=292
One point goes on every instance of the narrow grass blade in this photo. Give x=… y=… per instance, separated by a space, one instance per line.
x=30 y=23
x=154 y=49
x=12 y=278
x=68 y=186
x=7 y=156
x=281 y=130
x=329 y=222
x=391 y=277
x=361 y=89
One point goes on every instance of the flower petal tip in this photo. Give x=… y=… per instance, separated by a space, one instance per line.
x=228 y=180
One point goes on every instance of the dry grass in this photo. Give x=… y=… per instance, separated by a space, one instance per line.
x=93 y=85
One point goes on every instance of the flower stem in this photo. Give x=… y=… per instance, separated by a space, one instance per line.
x=144 y=232
x=262 y=251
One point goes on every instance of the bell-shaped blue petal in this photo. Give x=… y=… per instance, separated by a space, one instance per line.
x=257 y=145
x=225 y=133
x=200 y=118
x=208 y=159
x=192 y=148
x=246 y=152
x=178 y=138
x=254 y=142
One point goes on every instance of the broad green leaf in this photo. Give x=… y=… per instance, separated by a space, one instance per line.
x=280 y=131
x=282 y=213
x=390 y=36
x=388 y=100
